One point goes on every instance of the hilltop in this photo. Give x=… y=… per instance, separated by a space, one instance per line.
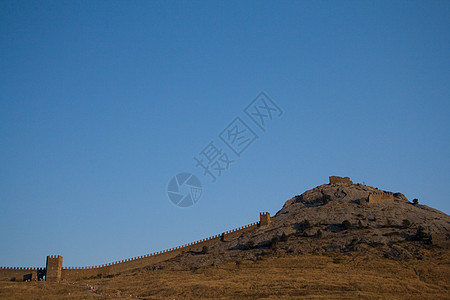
x=336 y=240
x=338 y=217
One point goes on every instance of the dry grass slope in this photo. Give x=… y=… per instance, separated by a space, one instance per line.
x=279 y=276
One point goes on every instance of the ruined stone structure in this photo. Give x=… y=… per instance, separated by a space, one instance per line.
x=54 y=271
x=340 y=180
x=264 y=219
x=381 y=197
x=440 y=239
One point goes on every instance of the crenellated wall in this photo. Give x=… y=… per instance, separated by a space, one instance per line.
x=9 y=273
x=74 y=273
x=56 y=272
x=381 y=197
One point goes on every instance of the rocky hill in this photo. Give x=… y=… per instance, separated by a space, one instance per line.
x=337 y=217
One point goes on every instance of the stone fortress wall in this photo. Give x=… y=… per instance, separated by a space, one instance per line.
x=18 y=273
x=54 y=271
x=340 y=180
x=381 y=197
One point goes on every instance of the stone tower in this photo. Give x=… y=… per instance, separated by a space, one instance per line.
x=264 y=219
x=53 y=268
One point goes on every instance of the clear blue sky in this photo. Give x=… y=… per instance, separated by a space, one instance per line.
x=102 y=102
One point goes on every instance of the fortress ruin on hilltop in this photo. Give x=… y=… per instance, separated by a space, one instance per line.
x=340 y=180
x=374 y=197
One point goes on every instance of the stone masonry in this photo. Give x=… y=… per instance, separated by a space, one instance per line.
x=340 y=180
x=381 y=197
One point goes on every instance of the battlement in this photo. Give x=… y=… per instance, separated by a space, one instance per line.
x=340 y=180
x=22 y=268
x=381 y=197
x=54 y=271
x=264 y=219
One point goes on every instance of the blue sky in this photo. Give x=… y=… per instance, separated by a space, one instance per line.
x=102 y=102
